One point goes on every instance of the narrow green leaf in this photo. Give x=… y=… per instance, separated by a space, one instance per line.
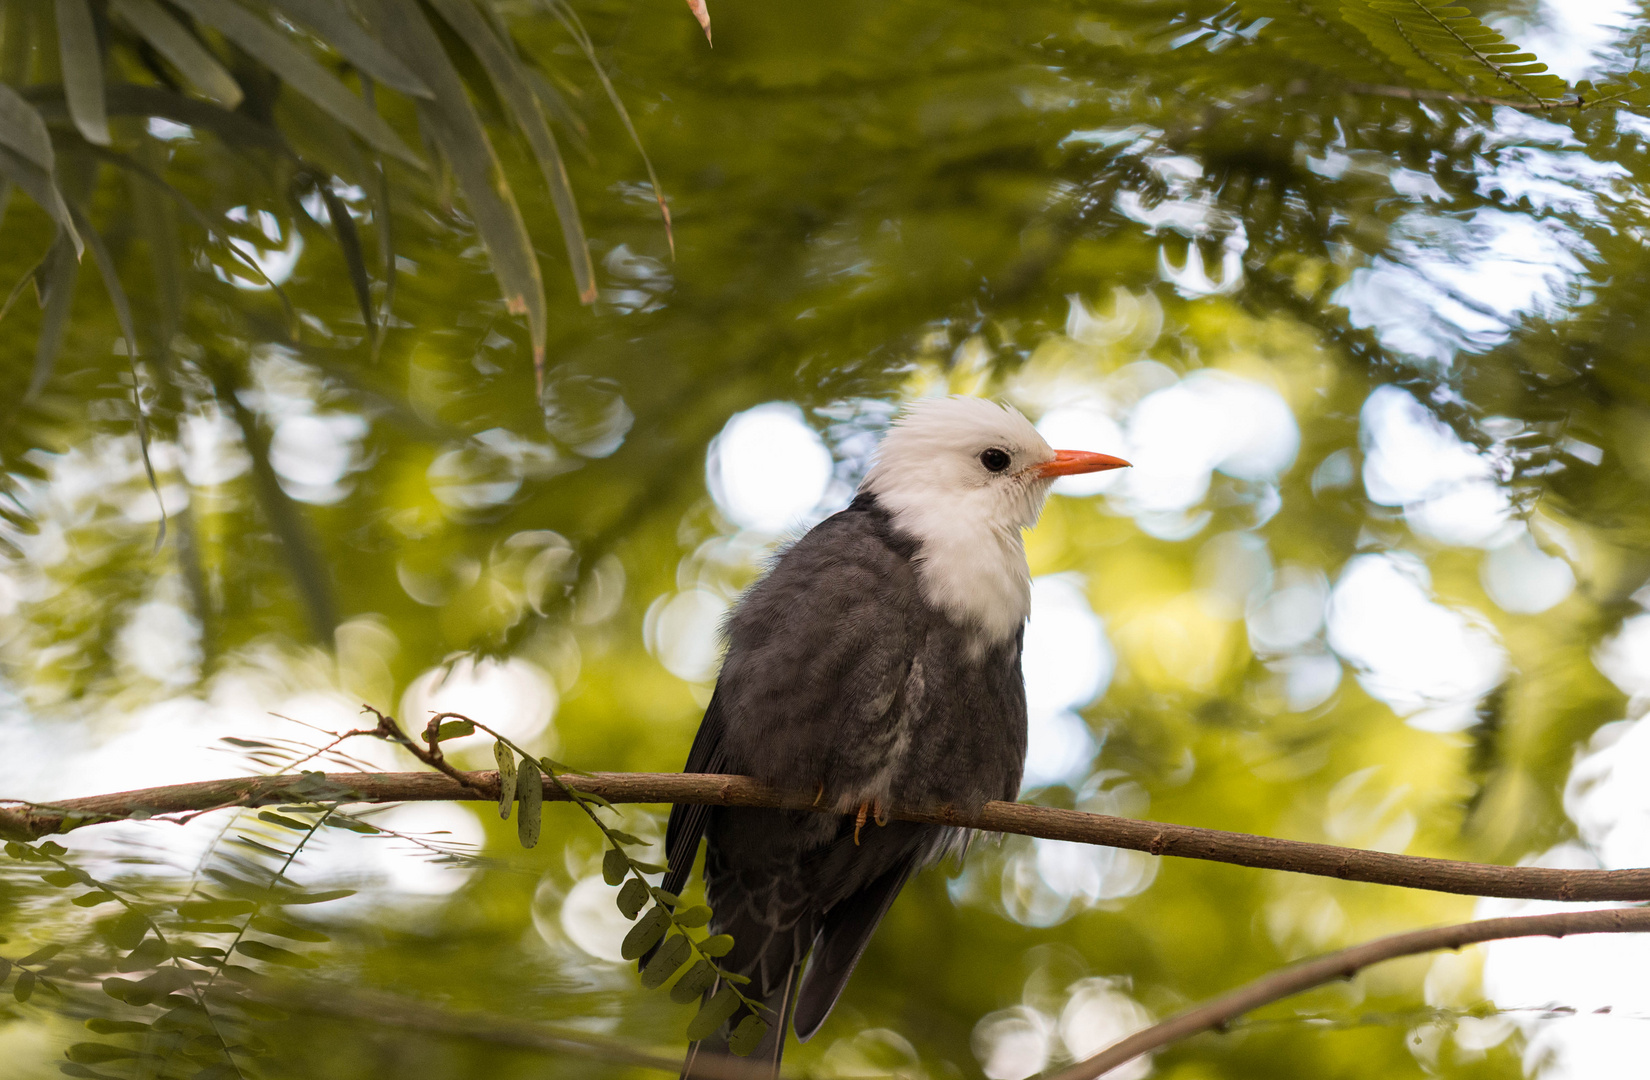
x=747 y=1035
x=81 y=1072
x=349 y=824
x=349 y=242
x=274 y=954
x=63 y=878
x=90 y=1053
x=41 y=955
x=506 y=759
x=214 y=909
x=298 y=898
x=712 y=1014
x=82 y=70
x=300 y=71
x=269 y=924
x=56 y=282
x=284 y=822
x=716 y=945
x=452 y=729
x=354 y=44
x=255 y=845
x=623 y=837
x=632 y=897
x=693 y=983
x=23 y=989
x=697 y=915
x=671 y=956
x=498 y=58
x=530 y=789
x=615 y=867
x=24 y=131
x=665 y=896
x=650 y=868
x=450 y=121
x=174 y=41
x=104 y=1026
x=645 y=933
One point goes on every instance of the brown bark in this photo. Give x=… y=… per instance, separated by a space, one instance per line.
x=1344 y=965
x=29 y=821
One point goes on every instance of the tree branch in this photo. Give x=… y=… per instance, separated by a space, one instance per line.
x=1344 y=965
x=27 y=821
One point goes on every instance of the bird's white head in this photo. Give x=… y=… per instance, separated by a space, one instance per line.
x=963 y=476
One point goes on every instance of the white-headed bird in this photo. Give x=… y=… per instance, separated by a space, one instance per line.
x=878 y=662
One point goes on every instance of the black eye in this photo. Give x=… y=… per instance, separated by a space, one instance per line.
x=994 y=459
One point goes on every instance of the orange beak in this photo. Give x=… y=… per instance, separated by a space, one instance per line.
x=1071 y=462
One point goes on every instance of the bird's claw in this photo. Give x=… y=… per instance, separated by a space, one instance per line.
x=872 y=809
x=819 y=794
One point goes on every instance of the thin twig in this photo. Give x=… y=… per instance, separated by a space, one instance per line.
x=1344 y=965
x=33 y=820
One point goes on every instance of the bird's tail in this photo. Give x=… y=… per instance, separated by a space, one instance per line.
x=709 y=1059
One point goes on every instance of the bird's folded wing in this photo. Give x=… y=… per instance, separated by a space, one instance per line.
x=687 y=823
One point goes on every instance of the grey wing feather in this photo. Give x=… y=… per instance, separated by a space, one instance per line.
x=841 y=941
x=687 y=823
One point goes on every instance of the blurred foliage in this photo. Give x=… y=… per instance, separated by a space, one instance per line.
x=868 y=201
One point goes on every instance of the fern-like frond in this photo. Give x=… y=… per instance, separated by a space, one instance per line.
x=1446 y=47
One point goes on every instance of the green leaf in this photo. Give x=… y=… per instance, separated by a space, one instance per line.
x=56 y=282
x=301 y=72
x=284 y=822
x=24 y=987
x=646 y=933
x=355 y=825
x=530 y=789
x=298 y=898
x=174 y=41
x=5 y=968
x=82 y=61
x=274 y=954
x=23 y=131
x=147 y=955
x=214 y=909
x=615 y=867
x=349 y=242
x=698 y=915
x=269 y=924
x=632 y=897
x=92 y=899
x=126 y=931
x=506 y=759
x=716 y=945
x=747 y=1035
x=624 y=837
x=126 y=990
x=354 y=44
x=694 y=983
x=650 y=867
x=671 y=956
x=452 y=729
x=41 y=955
x=91 y=1053
x=52 y=847
x=498 y=58
x=712 y=1014
x=69 y=1068
x=104 y=1026
x=64 y=878
x=450 y=121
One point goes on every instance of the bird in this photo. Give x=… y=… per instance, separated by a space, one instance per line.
x=878 y=660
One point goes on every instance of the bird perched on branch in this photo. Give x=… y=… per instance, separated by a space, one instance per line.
x=878 y=661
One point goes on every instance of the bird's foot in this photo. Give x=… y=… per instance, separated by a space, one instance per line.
x=872 y=809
